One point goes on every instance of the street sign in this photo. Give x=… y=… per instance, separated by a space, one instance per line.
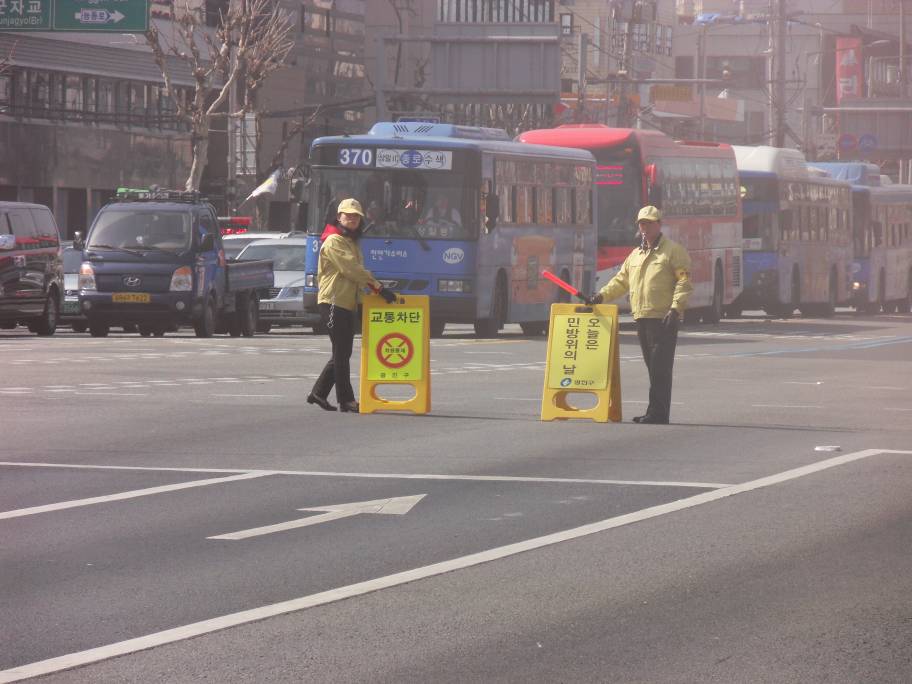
x=93 y=16
x=867 y=143
x=847 y=142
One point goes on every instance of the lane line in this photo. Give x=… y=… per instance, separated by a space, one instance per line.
x=168 y=636
x=382 y=476
x=789 y=406
x=76 y=503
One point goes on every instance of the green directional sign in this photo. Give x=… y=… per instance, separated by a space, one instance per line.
x=115 y=16
x=119 y=16
x=25 y=15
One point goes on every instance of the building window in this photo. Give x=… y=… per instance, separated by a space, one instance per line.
x=566 y=22
x=6 y=89
x=215 y=9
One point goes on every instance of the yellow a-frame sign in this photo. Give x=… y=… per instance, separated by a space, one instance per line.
x=395 y=350
x=583 y=358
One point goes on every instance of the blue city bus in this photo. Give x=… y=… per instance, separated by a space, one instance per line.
x=797 y=247
x=462 y=214
x=881 y=271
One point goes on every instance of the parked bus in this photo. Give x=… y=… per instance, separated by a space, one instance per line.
x=695 y=186
x=797 y=228
x=881 y=270
x=462 y=214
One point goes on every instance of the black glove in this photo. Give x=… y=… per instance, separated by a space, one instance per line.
x=671 y=319
x=388 y=295
x=592 y=300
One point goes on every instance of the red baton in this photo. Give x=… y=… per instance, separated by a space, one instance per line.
x=563 y=284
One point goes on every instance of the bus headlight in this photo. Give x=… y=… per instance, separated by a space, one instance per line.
x=310 y=280
x=858 y=286
x=87 y=277
x=182 y=280
x=459 y=286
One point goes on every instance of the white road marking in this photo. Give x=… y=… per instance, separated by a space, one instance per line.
x=898 y=409
x=110 y=394
x=169 y=636
x=76 y=503
x=379 y=476
x=247 y=395
x=399 y=505
x=788 y=406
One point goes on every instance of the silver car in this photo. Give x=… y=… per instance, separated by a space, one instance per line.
x=282 y=304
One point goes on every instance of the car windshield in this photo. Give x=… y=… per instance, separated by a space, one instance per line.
x=284 y=257
x=398 y=203
x=72 y=260
x=235 y=246
x=140 y=230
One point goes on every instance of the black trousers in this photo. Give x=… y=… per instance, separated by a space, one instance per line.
x=341 y=326
x=658 y=344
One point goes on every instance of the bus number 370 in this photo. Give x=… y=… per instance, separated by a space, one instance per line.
x=355 y=157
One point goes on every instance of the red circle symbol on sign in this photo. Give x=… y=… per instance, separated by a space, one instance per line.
x=395 y=350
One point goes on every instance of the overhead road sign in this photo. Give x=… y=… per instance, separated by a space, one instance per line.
x=92 y=16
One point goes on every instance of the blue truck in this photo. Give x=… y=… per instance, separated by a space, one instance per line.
x=154 y=258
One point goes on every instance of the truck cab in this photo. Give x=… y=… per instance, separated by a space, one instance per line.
x=155 y=259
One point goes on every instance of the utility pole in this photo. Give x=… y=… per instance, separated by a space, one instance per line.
x=777 y=87
x=628 y=59
x=902 y=48
x=582 y=66
x=701 y=74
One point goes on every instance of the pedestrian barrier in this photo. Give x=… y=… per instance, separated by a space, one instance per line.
x=395 y=350
x=583 y=358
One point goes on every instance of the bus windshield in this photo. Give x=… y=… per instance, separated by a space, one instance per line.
x=618 y=185
x=398 y=203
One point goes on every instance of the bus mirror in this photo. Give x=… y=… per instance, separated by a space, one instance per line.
x=78 y=240
x=492 y=211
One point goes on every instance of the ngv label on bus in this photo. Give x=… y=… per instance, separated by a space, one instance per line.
x=453 y=255
x=429 y=160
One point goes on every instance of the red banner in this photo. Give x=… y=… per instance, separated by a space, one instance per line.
x=849 y=68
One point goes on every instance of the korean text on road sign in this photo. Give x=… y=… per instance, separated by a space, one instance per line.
x=583 y=357
x=395 y=349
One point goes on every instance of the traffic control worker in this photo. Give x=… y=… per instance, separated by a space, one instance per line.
x=342 y=276
x=657 y=276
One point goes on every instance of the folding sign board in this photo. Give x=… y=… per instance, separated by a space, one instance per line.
x=583 y=358
x=395 y=350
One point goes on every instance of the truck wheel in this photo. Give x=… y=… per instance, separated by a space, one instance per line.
x=249 y=315
x=80 y=327
x=47 y=324
x=263 y=327
x=99 y=329
x=204 y=325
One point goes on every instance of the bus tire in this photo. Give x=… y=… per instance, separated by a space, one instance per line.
x=713 y=313
x=881 y=304
x=905 y=304
x=490 y=327
x=99 y=329
x=794 y=295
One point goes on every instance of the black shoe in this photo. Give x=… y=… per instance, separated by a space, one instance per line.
x=651 y=420
x=321 y=402
x=639 y=419
x=350 y=407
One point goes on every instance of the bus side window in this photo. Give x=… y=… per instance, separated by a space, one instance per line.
x=877 y=228
x=785 y=226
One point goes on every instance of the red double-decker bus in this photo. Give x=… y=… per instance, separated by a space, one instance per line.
x=695 y=184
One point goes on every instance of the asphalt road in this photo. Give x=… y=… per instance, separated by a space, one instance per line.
x=171 y=510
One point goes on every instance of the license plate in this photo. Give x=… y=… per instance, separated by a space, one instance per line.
x=267 y=306
x=131 y=298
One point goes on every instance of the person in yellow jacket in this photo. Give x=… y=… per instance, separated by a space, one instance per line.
x=657 y=276
x=342 y=276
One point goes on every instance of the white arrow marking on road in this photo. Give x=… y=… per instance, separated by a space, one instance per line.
x=396 y=506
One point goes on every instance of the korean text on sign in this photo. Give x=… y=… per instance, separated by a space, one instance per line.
x=580 y=352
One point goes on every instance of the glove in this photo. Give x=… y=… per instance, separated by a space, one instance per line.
x=388 y=295
x=592 y=300
x=670 y=319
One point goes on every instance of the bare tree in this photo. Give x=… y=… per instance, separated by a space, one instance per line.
x=252 y=39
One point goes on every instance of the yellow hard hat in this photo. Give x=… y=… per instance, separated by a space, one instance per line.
x=649 y=213
x=350 y=206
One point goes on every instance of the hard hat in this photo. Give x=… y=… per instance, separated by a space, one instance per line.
x=350 y=206
x=649 y=213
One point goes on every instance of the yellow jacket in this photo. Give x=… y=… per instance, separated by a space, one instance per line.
x=341 y=273
x=658 y=280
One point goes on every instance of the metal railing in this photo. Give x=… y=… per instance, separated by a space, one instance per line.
x=884 y=76
x=138 y=119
